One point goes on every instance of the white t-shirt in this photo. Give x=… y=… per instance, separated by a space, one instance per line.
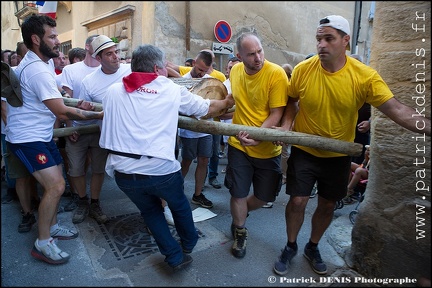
x=144 y=122
x=188 y=133
x=95 y=85
x=33 y=121
x=73 y=74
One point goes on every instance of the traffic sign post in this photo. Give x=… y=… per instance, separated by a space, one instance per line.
x=222 y=31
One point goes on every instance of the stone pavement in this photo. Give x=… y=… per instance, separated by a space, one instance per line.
x=122 y=253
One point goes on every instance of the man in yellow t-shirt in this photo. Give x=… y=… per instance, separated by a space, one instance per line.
x=259 y=90
x=325 y=94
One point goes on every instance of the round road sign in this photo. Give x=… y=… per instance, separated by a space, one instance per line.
x=222 y=31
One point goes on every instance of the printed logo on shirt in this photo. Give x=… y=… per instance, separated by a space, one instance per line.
x=42 y=158
x=147 y=90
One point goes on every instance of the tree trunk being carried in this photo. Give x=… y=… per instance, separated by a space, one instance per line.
x=257 y=133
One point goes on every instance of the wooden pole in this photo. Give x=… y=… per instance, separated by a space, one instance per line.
x=262 y=134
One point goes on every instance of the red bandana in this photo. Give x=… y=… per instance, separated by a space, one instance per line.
x=137 y=79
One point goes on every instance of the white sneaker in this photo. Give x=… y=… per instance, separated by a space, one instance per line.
x=49 y=253
x=268 y=205
x=168 y=216
x=62 y=233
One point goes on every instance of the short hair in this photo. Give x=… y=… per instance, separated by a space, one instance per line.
x=3 y=52
x=206 y=56
x=240 y=39
x=189 y=60
x=35 y=25
x=234 y=59
x=90 y=39
x=145 y=57
x=76 y=52
x=21 y=49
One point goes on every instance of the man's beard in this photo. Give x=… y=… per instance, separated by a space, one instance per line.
x=48 y=52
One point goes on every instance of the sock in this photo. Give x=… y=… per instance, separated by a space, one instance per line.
x=94 y=201
x=42 y=243
x=292 y=245
x=311 y=244
x=54 y=227
x=83 y=198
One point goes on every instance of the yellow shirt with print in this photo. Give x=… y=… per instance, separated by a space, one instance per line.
x=254 y=96
x=329 y=102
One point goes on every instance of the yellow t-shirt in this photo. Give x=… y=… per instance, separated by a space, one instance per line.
x=254 y=96
x=329 y=102
x=215 y=73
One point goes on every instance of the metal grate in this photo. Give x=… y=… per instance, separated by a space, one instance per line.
x=128 y=236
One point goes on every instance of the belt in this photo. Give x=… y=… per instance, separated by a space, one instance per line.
x=131 y=176
x=135 y=156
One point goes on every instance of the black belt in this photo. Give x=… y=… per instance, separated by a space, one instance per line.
x=130 y=155
x=131 y=176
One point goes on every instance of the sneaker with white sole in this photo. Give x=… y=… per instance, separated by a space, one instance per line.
x=49 y=253
x=62 y=233
x=282 y=265
x=202 y=201
x=313 y=255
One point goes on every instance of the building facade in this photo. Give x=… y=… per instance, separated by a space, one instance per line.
x=182 y=28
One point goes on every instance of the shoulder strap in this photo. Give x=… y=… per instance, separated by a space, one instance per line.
x=26 y=67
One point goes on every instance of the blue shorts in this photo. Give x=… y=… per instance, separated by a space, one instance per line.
x=331 y=175
x=243 y=171
x=37 y=155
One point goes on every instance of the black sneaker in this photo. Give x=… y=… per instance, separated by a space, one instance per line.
x=72 y=204
x=314 y=258
x=282 y=265
x=240 y=238
x=202 y=201
x=187 y=259
x=26 y=223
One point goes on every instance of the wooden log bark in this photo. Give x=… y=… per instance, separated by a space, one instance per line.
x=262 y=134
x=268 y=134
x=87 y=129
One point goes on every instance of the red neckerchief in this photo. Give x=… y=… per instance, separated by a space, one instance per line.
x=136 y=79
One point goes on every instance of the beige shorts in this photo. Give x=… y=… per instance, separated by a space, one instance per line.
x=77 y=154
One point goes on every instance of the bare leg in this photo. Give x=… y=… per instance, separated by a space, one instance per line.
x=23 y=189
x=96 y=185
x=79 y=184
x=53 y=184
x=200 y=174
x=239 y=210
x=254 y=203
x=294 y=216
x=322 y=218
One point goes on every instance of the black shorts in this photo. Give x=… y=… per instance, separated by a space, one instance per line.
x=243 y=171
x=304 y=170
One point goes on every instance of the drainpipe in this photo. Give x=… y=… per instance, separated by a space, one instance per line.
x=356 y=27
x=187 y=36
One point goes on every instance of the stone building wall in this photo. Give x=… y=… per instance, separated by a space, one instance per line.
x=391 y=236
